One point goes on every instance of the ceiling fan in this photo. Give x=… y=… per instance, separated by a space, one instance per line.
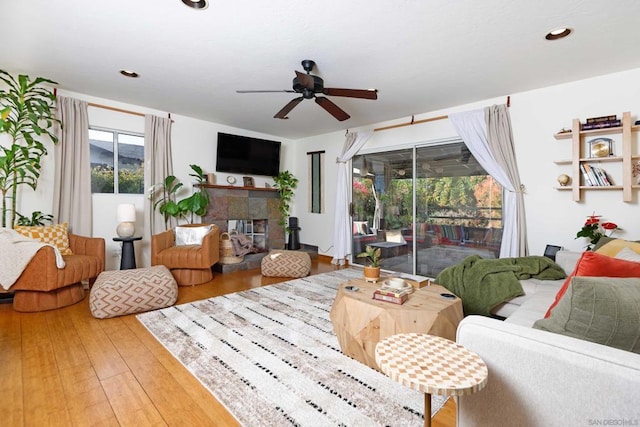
x=309 y=85
x=463 y=157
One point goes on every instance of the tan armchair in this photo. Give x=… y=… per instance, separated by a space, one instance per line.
x=42 y=286
x=190 y=264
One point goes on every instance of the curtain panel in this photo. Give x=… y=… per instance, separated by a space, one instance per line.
x=342 y=222
x=72 y=200
x=158 y=165
x=487 y=133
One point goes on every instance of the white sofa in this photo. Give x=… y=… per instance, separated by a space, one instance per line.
x=538 y=378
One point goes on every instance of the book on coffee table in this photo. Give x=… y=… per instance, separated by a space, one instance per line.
x=390 y=297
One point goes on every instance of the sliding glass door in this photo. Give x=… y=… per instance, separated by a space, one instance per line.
x=426 y=207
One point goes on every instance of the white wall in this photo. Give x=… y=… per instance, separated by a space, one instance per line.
x=552 y=216
x=193 y=142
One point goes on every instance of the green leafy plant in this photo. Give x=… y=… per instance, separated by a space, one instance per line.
x=372 y=254
x=26 y=114
x=37 y=218
x=196 y=204
x=285 y=183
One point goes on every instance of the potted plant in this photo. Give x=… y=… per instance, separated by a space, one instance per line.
x=372 y=271
x=26 y=113
x=195 y=204
x=285 y=183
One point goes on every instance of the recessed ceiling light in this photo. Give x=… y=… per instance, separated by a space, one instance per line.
x=196 y=4
x=128 y=73
x=558 y=33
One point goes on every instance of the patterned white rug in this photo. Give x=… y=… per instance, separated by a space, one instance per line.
x=271 y=357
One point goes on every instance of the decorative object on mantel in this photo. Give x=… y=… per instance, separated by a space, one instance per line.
x=211 y=178
x=564 y=179
x=231 y=180
x=594 y=230
x=248 y=181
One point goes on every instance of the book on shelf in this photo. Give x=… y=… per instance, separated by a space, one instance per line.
x=381 y=296
x=585 y=175
x=595 y=176
x=601 y=119
x=602 y=125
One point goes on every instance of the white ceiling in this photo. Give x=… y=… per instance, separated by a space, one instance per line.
x=421 y=55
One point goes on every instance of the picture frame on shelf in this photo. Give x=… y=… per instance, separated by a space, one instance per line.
x=248 y=181
x=635 y=171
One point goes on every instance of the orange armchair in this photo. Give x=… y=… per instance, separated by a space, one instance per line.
x=42 y=286
x=189 y=264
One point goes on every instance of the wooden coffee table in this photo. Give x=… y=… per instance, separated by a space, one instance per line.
x=432 y=365
x=360 y=322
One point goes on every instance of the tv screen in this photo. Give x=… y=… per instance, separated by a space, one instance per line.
x=245 y=155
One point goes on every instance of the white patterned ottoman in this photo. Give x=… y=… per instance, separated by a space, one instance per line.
x=120 y=292
x=286 y=264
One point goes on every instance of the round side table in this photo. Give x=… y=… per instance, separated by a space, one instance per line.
x=128 y=259
x=431 y=364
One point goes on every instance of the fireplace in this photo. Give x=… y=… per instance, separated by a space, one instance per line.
x=255 y=229
x=244 y=206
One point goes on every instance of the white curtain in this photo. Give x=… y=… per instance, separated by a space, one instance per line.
x=342 y=225
x=72 y=201
x=487 y=134
x=158 y=165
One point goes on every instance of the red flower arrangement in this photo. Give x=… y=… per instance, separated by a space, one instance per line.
x=594 y=230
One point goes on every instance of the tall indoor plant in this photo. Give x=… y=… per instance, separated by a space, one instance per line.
x=26 y=114
x=196 y=204
x=285 y=183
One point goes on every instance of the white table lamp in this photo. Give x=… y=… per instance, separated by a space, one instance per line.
x=126 y=218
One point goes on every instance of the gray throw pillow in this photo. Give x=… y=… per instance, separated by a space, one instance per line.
x=604 y=310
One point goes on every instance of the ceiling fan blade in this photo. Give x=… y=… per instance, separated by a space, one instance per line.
x=352 y=93
x=305 y=80
x=265 y=91
x=282 y=114
x=332 y=108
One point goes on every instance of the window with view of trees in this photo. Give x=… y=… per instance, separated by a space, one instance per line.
x=117 y=162
x=426 y=207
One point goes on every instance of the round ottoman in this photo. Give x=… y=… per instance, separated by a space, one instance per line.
x=286 y=264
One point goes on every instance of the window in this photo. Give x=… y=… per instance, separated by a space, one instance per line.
x=451 y=208
x=117 y=162
x=316 y=181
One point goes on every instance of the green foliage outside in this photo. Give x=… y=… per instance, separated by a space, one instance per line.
x=130 y=181
x=462 y=200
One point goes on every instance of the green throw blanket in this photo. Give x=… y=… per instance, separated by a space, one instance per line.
x=482 y=284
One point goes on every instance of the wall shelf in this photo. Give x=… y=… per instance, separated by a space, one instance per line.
x=579 y=137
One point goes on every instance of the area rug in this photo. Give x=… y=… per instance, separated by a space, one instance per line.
x=270 y=356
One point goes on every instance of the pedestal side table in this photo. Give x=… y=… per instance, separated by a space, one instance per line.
x=128 y=259
x=431 y=364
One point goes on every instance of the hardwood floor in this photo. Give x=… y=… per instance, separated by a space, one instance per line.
x=63 y=367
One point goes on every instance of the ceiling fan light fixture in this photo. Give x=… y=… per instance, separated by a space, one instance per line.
x=196 y=4
x=129 y=73
x=558 y=33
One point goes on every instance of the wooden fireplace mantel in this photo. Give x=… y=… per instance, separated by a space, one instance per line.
x=235 y=187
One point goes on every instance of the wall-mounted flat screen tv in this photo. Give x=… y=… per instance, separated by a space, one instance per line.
x=249 y=156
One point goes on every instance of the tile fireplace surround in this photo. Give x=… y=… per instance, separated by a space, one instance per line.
x=230 y=202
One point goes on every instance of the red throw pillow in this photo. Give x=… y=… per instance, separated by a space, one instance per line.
x=593 y=264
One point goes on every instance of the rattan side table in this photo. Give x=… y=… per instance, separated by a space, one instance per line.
x=431 y=364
